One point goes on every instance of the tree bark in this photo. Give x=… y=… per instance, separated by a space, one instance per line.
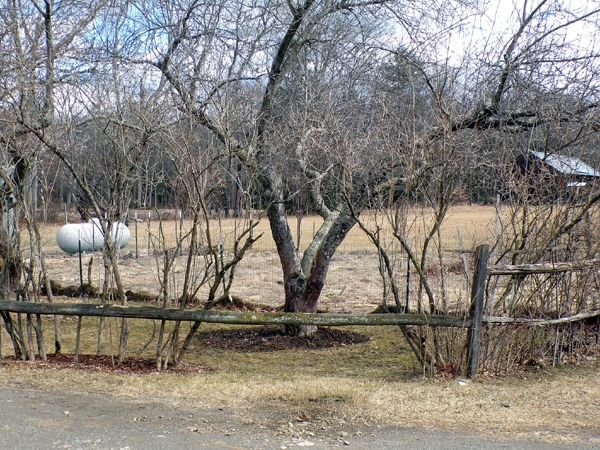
x=304 y=278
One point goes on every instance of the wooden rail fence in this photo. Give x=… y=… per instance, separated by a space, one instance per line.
x=472 y=322
x=230 y=317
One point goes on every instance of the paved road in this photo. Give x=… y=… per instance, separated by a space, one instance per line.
x=31 y=419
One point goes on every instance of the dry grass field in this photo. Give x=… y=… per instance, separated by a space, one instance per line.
x=375 y=382
x=475 y=222
x=353 y=282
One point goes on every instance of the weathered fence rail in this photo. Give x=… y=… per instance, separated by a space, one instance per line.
x=231 y=317
x=530 y=269
x=541 y=322
x=543 y=268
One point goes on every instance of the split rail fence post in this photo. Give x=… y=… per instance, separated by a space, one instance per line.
x=476 y=312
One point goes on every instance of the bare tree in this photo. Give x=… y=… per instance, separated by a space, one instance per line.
x=207 y=54
x=34 y=35
x=501 y=99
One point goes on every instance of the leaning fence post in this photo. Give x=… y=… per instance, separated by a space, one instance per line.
x=476 y=310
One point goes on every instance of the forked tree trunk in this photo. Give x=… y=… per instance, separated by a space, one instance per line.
x=304 y=275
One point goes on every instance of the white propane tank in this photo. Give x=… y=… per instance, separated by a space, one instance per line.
x=91 y=236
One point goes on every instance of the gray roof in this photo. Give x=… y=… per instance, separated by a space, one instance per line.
x=567 y=165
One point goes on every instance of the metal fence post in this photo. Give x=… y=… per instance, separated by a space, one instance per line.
x=476 y=311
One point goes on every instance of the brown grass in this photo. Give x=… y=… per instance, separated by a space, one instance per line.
x=559 y=407
x=373 y=382
x=474 y=222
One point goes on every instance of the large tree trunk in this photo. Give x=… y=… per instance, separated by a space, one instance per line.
x=294 y=279
x=304 y=277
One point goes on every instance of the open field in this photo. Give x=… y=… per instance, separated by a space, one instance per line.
x=475 y=222
x=353 y=282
